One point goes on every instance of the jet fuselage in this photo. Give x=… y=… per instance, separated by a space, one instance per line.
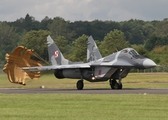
x=114 y=66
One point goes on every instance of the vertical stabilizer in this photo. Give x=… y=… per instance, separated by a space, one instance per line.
x=92 y=50
x=55 y=55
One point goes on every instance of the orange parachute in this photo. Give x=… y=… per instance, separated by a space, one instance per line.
x=20 y=57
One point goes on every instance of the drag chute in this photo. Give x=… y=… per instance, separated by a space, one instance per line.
x=21 y=57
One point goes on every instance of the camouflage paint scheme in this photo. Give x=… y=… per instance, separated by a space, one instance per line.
x=113 y=67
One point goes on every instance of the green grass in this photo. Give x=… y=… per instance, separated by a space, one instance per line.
x=83 y=107
x=133 y=80
x=86 y=106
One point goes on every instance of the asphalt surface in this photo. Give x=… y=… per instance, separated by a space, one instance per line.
x=84 y=91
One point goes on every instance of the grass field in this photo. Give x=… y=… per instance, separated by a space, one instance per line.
x=83 y=107
x=86 y=106
x=133 y=80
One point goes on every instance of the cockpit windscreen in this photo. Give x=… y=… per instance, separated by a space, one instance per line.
x=133 y=52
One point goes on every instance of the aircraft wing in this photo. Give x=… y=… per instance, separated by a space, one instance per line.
x=53 y=67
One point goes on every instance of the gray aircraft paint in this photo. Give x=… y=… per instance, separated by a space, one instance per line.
x=102 y=72
x=92 y=50
x=114 y=66
x=55 y=55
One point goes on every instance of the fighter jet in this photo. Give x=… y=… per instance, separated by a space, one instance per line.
x=114 y=67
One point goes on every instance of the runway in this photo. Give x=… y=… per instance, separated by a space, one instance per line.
x=84 y=91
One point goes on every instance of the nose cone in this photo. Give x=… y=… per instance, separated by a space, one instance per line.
x=148 y=63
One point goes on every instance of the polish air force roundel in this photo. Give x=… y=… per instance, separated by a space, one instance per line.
x=56 y=54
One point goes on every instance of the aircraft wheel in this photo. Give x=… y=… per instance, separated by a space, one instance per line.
x=120 y=86
x=115 y=85
x=80 y=84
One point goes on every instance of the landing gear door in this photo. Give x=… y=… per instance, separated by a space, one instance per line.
x=103 y=72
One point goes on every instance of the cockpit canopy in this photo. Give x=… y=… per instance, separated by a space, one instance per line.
x=131 y=51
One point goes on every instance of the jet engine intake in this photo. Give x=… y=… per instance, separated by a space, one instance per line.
x=58 y=74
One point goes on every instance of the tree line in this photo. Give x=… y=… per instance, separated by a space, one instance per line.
x=149 y=38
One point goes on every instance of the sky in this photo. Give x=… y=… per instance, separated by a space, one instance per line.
x=85 y=10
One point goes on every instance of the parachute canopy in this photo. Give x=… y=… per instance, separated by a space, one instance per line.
x=20 y=57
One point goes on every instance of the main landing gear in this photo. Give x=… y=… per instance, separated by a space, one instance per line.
x=114 y=84
x=80 y=84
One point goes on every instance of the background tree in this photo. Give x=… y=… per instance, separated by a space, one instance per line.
x=37 y=40
x=100 y=28
x=30 y=23
x=60 y=27
x=151 y=42
x=96 y=28
x=141 y=50
x=44 y=23
x=156 y=40
x=79 y=49
x=161 y=27
x=80 y=28
x=63 y=45
x=114 y=40
x=8 y=39
x=134 y=31
x=159 y=55
x=147 y=37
